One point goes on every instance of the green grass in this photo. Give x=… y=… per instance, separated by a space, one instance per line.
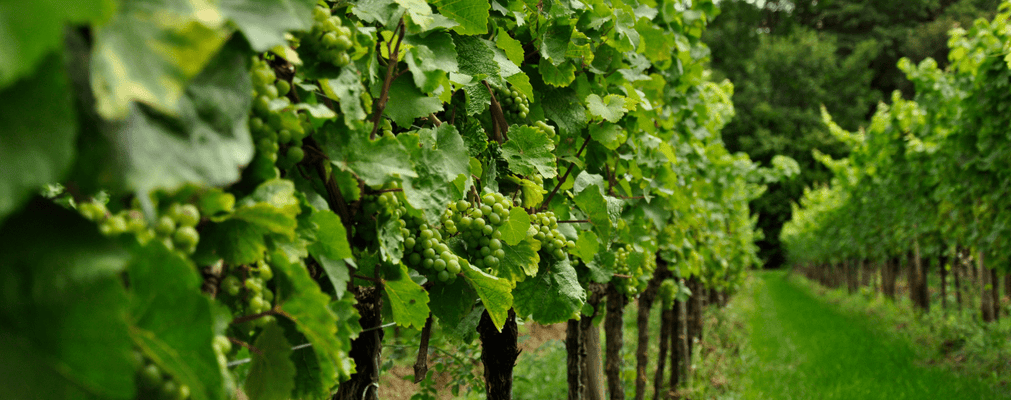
x=805 y=348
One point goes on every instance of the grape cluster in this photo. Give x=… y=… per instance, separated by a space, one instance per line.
x=548 y=130
x=544 y=229
x=274 y=123
x=426 y=251
x=329 y=37
x=247 y=292
x=634 y=284
x=176 y=228
x=514 y=103
x=667 y=292
x=478 y=226
x=153 y=383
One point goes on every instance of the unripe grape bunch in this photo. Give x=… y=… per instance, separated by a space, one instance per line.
x=478 y=226
x=548 y=130
x=329 y=37
x=176 y=228
x=274 y=122
x=632 y=285
x=544 y=229
x=245 y=290
x=514 y=103
x=153 y=383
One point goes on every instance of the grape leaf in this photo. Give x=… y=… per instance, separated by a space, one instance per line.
x=408 y=301
x=410 y=102
x=391 y=241
x=514 y=229
x=610 y=135
x=419 y=13
x=264 y=22
x=512 y=47
x=39 y=131
x=206 y=142
x=272 y=374
x=331 y=237
x=431 y=59
x=586 y=246
x=557 y=75
x=148 y=53
x=375 y=162
x=553 y=296
x=520 y=260
x=63 y=289
x=375 y=11
x=450 y=302
x=442 y=167
x=596 y=208
x=472 y=15
x=172 y=321
x=241 y=239
x=34 y=29
x=495 y=293
x=562 y=106
x=555 y=42
x=309 y=308
x=529 y=152
x=347 y=89
x=610 y=108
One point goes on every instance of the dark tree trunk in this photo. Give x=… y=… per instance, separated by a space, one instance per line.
x=666 y=331
x=986 y=297
x=366 y=349
x=613 y=336
x=1007 y=286
x=573 y=344
x=498 y=354
x=995 y=293
x=680 y=348
x=956 y=268
x=943 y=263
x=694 y=316
x=865 y=275
x=646 y=300
x=590 y=369
x=918 y=280
x=888 y=277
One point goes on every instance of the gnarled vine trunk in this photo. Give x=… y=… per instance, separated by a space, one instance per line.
x=666 y=333
x=942 y=262
x=646 y=300
x=498 y=354
x=573 y=349
x=366 y=349
x=613 y=335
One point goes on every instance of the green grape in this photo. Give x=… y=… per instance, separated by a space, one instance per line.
x=150 y=376
x=186 y=239
x=232 y=285
x=165 y=226
x=92 y=210
x=185 y=214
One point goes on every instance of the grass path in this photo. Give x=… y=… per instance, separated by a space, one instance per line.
x=805 y=348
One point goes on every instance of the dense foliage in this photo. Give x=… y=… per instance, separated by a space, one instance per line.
x=234 y=190
x=929 y=175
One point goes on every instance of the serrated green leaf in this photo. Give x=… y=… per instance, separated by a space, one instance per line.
x=512 y=47
x=557 y=75
x=39 y=133
x=431 y=59
x=529 y=152
x=309 y=308
x=375 y=162
x=553 y=296
x=408 y=300
x=450 y=302
x=172 y=320
x=63 y=289
x=520 y=260
x=149 y=52
x=272 y=373
x=375 y=11
x=419 y=13
x=495 y=293
x=331 y=237
x=555 y=42
x=409 y=102
x=596 y=208
x=316 y=110
x=347 y=89
x=264 y=22
x=337 y=272
x=472 y=15
x=514 y=229
x=391 y=240
x=33 y=30
x=476 y=58
x=586 y=246
x=610 y=108
x=610 y=135
x=564 y=107
x=521 y=82
x=533 y=193
x=241 y=238
x=206 y=142
x=442 y=166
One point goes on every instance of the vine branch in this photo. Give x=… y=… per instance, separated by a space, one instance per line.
x=391 y=66
x=566 y=176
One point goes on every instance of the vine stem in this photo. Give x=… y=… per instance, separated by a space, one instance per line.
x=574 y=221
x=501 y=126
x=246 y=345
x=566 y=176
x=421 y=363
x=384 y=96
